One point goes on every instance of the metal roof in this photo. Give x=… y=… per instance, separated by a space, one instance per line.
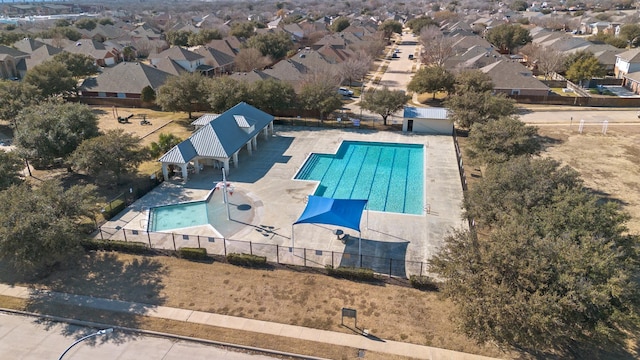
x=180 y=154
x=425 y=113
x=222 y=136
x=204 y=119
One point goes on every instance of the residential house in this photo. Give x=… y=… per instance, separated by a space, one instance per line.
x=221 y=62
x=628 y=68
x=27 y=45
x=189 y=60
x=123 y=81
x=9 y=62
x=40 y=55
x=512 y=78
x=102 y=55
x=169 y=66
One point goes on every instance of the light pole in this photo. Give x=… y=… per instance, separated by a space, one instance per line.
x=99 y=332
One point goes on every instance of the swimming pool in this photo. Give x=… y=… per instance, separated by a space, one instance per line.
x=389 y=175
x=178 y=216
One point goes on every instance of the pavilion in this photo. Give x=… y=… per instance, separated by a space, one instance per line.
x=219 y=141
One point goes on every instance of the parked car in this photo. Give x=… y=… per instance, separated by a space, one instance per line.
x=394 y=56
x=410 y=56
x=345 y=92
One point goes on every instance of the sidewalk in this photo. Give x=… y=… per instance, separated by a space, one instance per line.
x=370 y=343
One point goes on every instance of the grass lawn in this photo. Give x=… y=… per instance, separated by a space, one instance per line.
x=425 y=98
x=559 y=91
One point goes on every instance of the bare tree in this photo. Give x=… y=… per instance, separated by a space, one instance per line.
x=546 y=60
x=436 y=47
x=249 y=59
x=355 y=68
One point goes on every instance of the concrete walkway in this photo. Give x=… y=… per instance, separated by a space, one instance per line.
x=370 y=343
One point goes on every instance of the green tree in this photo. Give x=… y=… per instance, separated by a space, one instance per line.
x=389 y=27
x=242 y=29
x=507 y=37
x=15 y=97
x=225 y=92
x=631 y=34
x=182 y=93
x=355 y=67
x=384 y=102
x=79 y=65
x=53 y=130
x=473 y=81
x=271 y=95
x=129 y=53
x=519 y=5
x=320 y=97
x=40 y=226
x=468 y=108
x=165 y=143
x=148 y=95
x=275 y=45
x=585 y=69
x=203 y=36
x=544 y=276
x=10 y=167
x=417 y=24
x=9 y=37
x=62 y=23
x=86 y=24
x=66 y=32
x=105 y=21
x=178 y=37
x=52 y=79
x=115 y=153
x=501 y=140
x=432 y=79
x=339 y=24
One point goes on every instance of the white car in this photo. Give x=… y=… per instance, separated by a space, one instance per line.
x=345 y=92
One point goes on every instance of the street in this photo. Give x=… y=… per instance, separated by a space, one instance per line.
x=24 y=337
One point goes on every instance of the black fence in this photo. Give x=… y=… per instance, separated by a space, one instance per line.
x=280 y=254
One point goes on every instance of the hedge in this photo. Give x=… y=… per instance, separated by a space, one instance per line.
x=116 y=206
x=247 y=260
x=116 y=245
x=351 y=273
x=423 y=283
x=193 y=253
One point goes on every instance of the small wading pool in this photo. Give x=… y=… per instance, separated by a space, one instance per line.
x=389 y=175
x=178 y=216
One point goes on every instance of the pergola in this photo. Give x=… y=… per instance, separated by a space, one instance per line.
x=218 y=142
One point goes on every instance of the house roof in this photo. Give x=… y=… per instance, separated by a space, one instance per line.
x=27 y=45
x=250 y=77
x=426 y=113
x=222 y=136
x=16 y=54
x=178 y=53
x=631 y=56
x=507 y=74
x=126 y=77
x=169 y=66
x=42 y=54
x=89 y=47
x=214 y=57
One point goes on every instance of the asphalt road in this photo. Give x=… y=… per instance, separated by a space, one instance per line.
x=22 y=337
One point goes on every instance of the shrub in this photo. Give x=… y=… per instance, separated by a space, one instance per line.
x=423 y=283
x=116 y=245
x=112 y=210
x=351 y=273
x=247 y=260
x=193 y=253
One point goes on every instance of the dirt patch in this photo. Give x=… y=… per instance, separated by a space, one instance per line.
x=298 y=297
x=609 y=164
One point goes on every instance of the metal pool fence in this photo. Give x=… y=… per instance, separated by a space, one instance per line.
x=274 y=253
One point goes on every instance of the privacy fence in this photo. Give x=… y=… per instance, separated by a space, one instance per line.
x=280 y=254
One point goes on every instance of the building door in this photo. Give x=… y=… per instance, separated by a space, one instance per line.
x=410 y=126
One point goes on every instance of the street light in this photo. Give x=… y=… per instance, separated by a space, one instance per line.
x=100 y=332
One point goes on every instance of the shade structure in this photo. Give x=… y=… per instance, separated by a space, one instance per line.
x=340 y=212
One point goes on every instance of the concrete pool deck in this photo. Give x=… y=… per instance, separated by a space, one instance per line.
x=267 y=200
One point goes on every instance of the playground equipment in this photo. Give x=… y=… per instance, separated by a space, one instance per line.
x=144 y=120
x=124 y=120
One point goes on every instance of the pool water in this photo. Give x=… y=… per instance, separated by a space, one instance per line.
x=389 y=175
x=178 y=216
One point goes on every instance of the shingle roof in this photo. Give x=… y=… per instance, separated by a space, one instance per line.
x=511 y=75
x=42 y=54
x=215 y=57
x=28 y=45
x=16 y=54
x=178 y=53
x=630 y=56
x=127 y=78
x=169 y=66
x=222 y=136
x=426 y=113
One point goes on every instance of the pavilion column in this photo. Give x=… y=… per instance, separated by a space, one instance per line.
x=249 y=148
x=185 y=172
x=254 y=141
x=273 y=131
x=196 y=165
x=266 y=132
x=165 y=171
x=225 y=164
x=235 y=159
